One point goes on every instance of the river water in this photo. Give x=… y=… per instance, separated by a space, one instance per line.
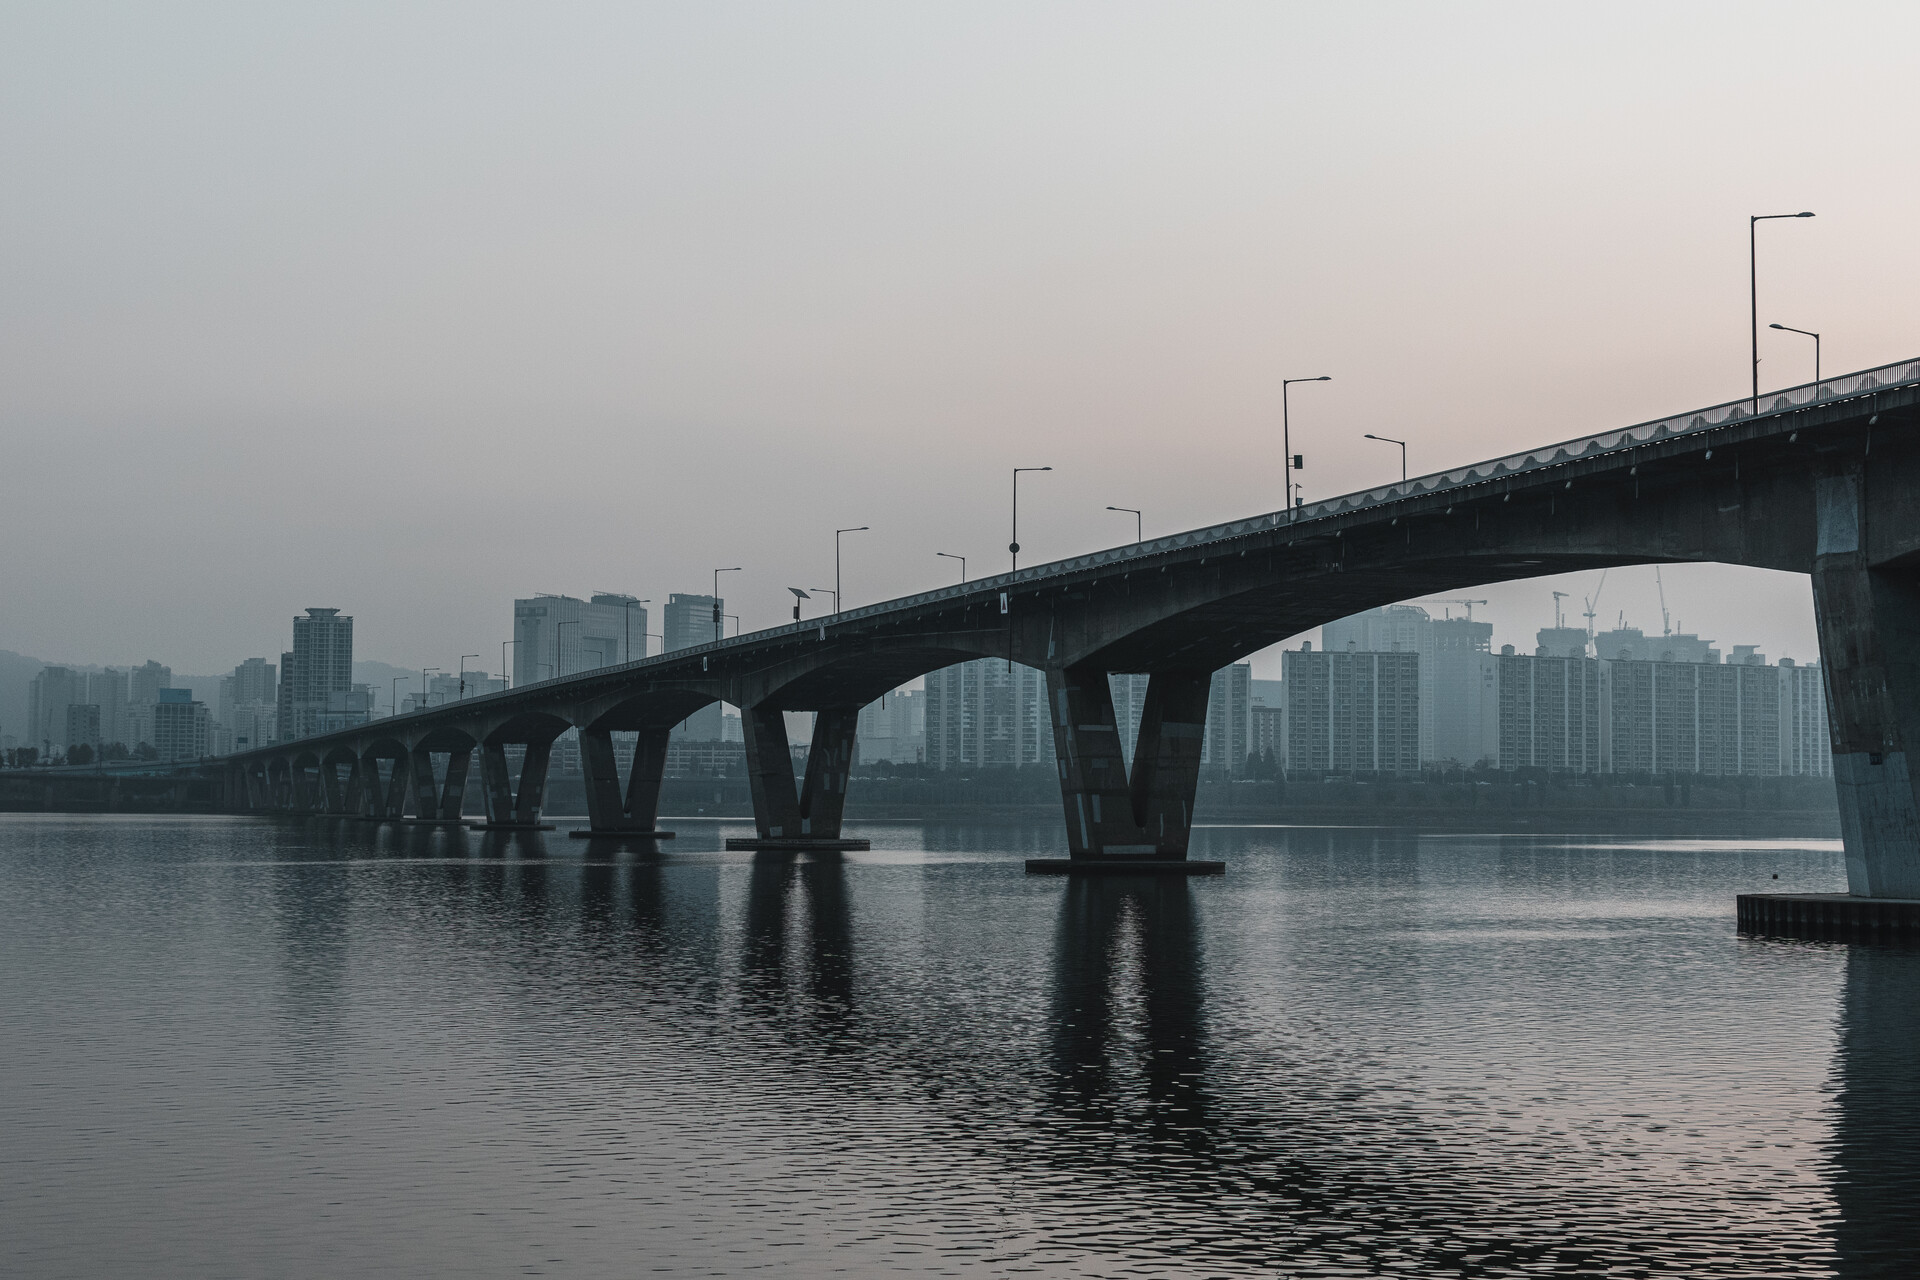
x=236 y=1047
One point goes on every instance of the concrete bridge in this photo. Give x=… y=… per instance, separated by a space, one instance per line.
x=1820 y=479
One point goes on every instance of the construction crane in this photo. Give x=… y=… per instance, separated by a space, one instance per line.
x=1666 y=627
x=1468 y=603
x=1558 y=596
x=1593 y=600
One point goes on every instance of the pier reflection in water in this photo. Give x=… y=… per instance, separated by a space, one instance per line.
x=234 y=1047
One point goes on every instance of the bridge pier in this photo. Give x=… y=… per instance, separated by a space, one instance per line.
x=808 y=818
x=509 y=808
x=1869 y=625
x=387 y=801
x=438 y=802
x=637 y=811
x=1116 y=820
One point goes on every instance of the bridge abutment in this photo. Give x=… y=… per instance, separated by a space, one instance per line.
x=1869 y=625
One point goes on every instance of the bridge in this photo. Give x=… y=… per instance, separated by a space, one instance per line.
x=1819 y=479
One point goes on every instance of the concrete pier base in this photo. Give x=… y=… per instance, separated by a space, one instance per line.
x=634 y=834
x=1124 y=867
x=513 y=826
x=740 y=844
x=450 y=823
x=1829 y=915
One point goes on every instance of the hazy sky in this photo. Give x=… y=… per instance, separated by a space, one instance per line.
x=409 y=310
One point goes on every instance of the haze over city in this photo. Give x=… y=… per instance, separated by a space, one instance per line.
x=508 y=301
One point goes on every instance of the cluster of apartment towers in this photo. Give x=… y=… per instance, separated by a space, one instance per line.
x=1390 y=691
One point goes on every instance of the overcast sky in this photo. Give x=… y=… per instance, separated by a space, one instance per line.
x=409 y=310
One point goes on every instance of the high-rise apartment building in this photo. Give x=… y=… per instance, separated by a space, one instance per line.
x=893 y=728
x=180 y=725
x=145 y=681
x=49 y=694
x=1229 y=729
x=1397 y=628
x=980 y=714
x=1806 y=748
x=1550 y=710
x=1719 y=719
x=316 y=675
x=1351 y=712
x=108 y=690
x=1463 y=699
x=83 y=726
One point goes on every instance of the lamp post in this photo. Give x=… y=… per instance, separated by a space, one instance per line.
x=1288 y=464
x=836 y=562
x=393 y=696
x=463 y=674
x=962 y=559
x=504 y=668
x=1753 y=289
x=1138 y=536
x=831 y=592
x=736 y=622
x=559 y=667
x=1403 y=452
x=798 y=596
x=423 y=684
x=627 y=611
x=1013 y=547
x=1816 y=352
x=719 y=628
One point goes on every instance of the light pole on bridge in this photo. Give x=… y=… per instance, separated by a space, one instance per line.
x=1816 y=352
x=1013 y=547
x=504 y=669
x=423 y=684
x=1753 y=288
x=1403 y=452
x=962 y=559
x=1138 y=522
x=836 y=562
x=719 y=624
x=559 y=667
x=393 y=696
x=1290 y=464
x=463 y=674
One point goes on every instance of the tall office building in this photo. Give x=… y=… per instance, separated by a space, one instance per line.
x=689 y=620
x=316 y=676
x=981 y=715
x=557 y=635
x=1550 y=710
x=108 y=690
x=1351 y=712
x=49 y=694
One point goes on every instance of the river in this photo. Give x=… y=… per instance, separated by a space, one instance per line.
x=244 y=1047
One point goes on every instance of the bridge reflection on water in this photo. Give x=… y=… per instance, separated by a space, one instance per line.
x=1175 y=1077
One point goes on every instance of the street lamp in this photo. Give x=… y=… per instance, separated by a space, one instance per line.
x=1403 y=452
x=1290 y=464
x=719 y=628
x=962 y=559
x=798 y=596
x=1816 y=352
x=1013 y=547
x=463 y=674
x=627 y=619
x=831 y=592
x=836 y=562
x=503 y=662
x=393 y=696
x=559 y=667
x=1138 y=536
x=423 y=684
x=736 y=622
x=1753 y=289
